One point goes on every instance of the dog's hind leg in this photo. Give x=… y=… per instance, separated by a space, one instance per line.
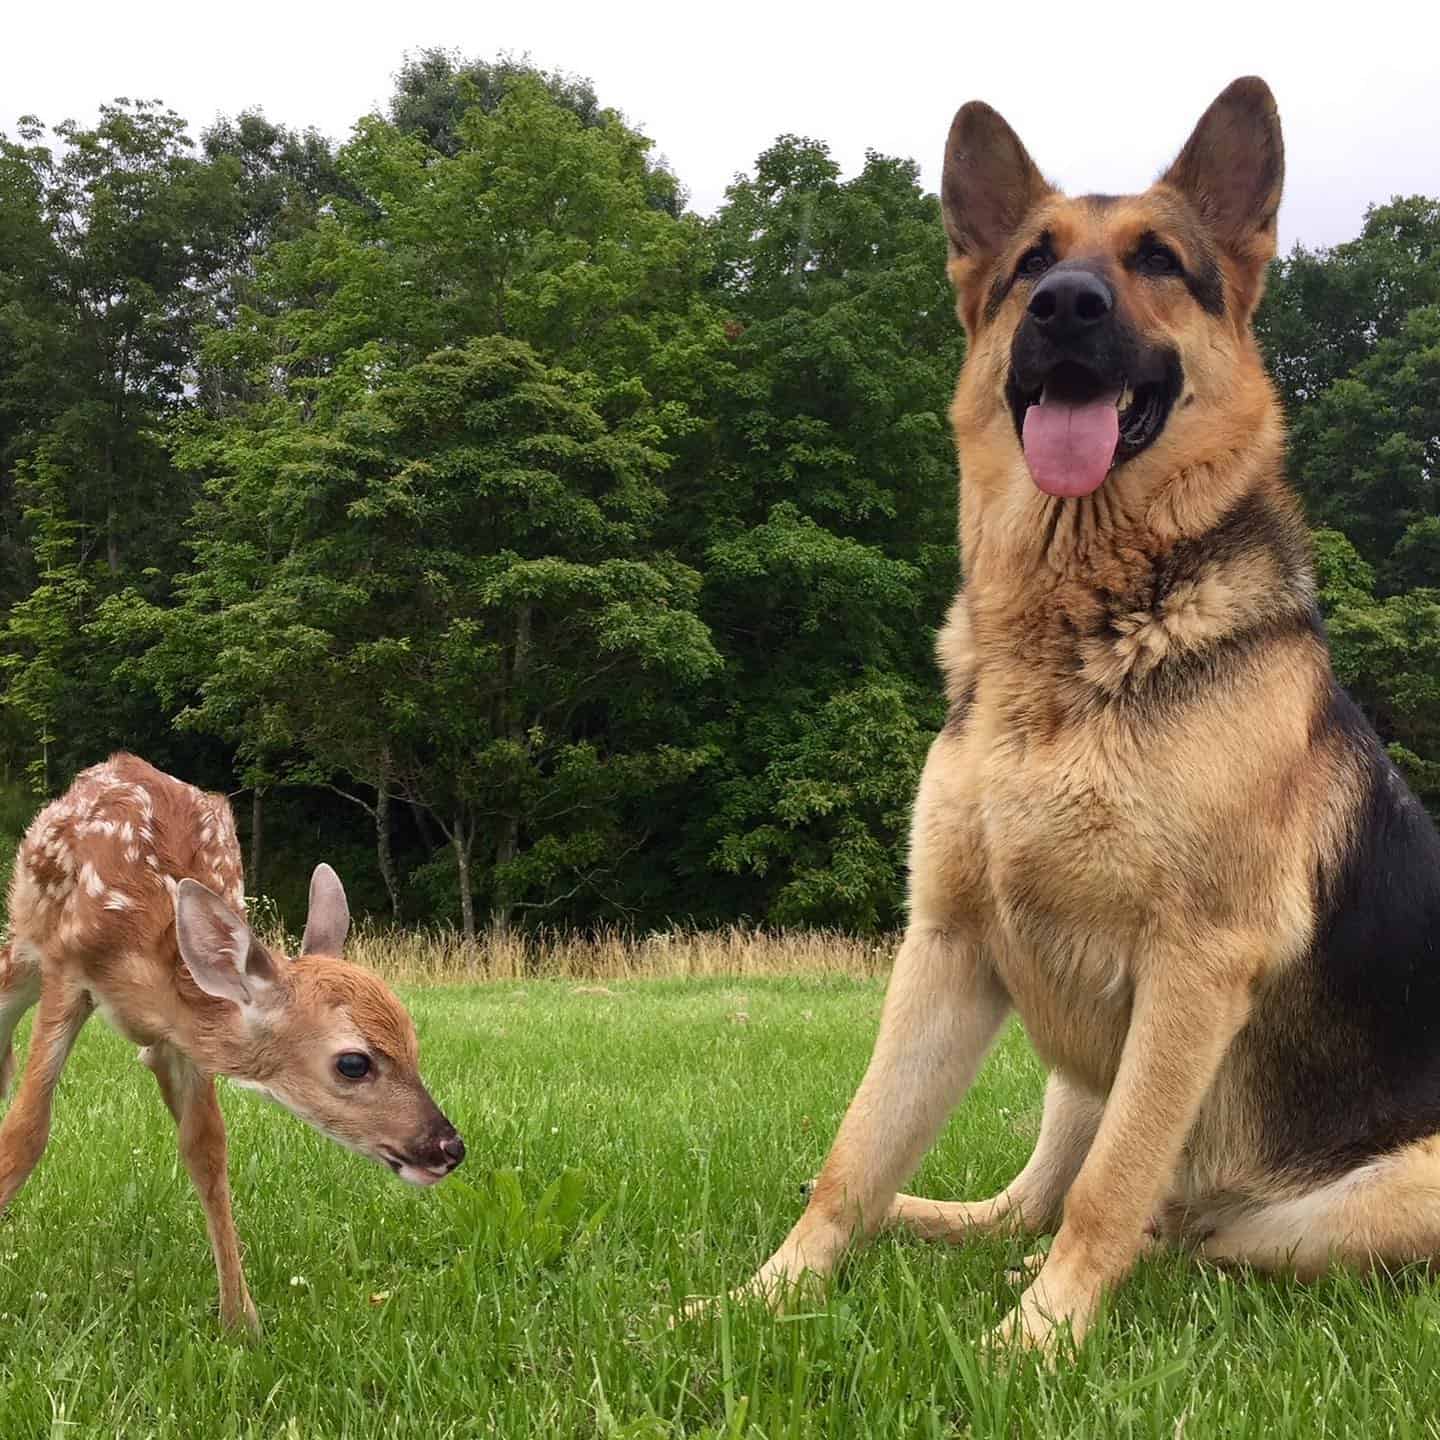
x=1032 y=1202
x=1385 y=1212
x=943 y=1009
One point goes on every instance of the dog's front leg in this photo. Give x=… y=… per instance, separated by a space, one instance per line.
x=943 y=1009
x=1186 y=1013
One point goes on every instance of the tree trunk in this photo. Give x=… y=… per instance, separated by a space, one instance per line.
x=521 y=666
x=382 y=845
x=507 y=847
x=462 y=843
x=507 y=843
x=112 y=540
x=426 y=830
x=257 y=831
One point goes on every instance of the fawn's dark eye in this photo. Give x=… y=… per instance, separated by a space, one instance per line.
x=1157 y=259
x=1035 y=261
x=353 y=1065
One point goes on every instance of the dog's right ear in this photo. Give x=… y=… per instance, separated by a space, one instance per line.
x=988 y=186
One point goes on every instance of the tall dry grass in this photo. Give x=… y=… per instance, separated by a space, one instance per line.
x=439 y=956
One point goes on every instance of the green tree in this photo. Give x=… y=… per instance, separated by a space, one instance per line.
x=1368 y=448
x=436 y=88
x=118 y=236
x=277 y=181
x=445 y=594
x=1352 y=335
x=1386 y=652
x=1325 y=311
x=439 y=505
x=827 y=526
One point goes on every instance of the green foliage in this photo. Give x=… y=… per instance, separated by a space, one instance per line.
x=41 y=633
x=460 y=534
x=1325 y=311
x=436 y=88
x=825 y=814
x=16 y=810
x=1369 y=451
x=494 y=1224
x=1387 y=654
x=829 y=516
x=1353 y=338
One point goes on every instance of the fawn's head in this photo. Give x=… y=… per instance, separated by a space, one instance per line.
x=325 y=1038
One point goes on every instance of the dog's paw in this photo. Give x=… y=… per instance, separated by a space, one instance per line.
x=1022 y=1331
x=777 y=1291
x=1051 y=1317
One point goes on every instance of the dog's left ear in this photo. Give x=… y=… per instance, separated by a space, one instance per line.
x=1232 y=170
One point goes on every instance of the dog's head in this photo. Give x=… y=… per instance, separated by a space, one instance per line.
x=1110 y=336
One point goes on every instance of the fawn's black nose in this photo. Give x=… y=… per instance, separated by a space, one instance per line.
x=452 y=1147
x=1067 y=303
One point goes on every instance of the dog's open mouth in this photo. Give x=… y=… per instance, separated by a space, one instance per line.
x=1075 y=427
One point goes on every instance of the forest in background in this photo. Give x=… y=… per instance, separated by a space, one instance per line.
x=537 y=551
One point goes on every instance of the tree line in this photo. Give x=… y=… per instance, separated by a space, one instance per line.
x=541 y=552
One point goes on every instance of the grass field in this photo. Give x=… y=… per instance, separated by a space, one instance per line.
x=669 y=1122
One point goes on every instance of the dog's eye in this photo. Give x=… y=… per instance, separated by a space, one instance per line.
x=1035 y=261
x=1157 y=259
x=353 y=1065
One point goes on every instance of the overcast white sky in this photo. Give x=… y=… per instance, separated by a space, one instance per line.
x=1103 y=95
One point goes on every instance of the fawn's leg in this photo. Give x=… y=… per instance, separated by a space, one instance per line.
x=65 y=1006
x=19 y=990
x=190 y=1094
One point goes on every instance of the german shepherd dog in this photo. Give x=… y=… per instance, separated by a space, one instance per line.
x=1153 y=824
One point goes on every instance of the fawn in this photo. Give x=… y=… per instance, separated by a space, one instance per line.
x=127 y=898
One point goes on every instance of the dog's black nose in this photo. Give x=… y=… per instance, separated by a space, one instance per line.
x=452 y=1147
x=1067 y=303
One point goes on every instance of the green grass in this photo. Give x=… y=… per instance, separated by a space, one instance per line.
x=481 y=1308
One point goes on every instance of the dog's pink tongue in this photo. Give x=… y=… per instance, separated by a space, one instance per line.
x=1069 y=447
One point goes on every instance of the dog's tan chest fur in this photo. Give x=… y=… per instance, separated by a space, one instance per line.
x=1101 y=835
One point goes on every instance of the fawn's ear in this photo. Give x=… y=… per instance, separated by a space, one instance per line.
x=223 y=957
x=328 y=921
